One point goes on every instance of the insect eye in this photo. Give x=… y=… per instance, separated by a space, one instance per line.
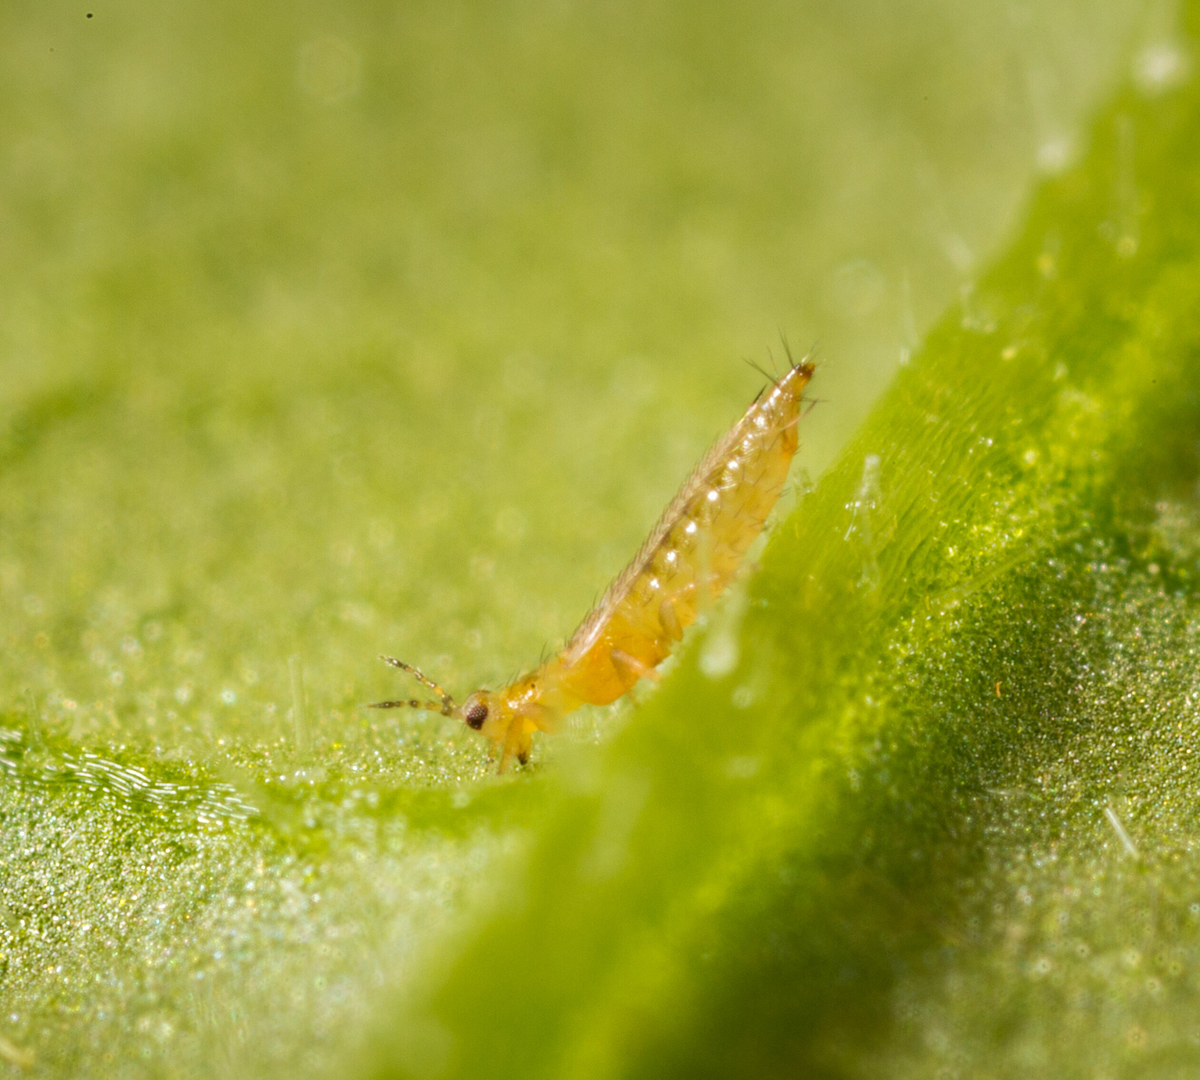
x=476 y=715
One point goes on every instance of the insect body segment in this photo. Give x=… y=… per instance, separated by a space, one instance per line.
x=690 y=557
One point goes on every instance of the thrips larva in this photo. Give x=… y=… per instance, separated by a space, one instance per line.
x=688 y=559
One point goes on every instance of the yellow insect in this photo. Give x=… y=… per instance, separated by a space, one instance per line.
x=689 y=558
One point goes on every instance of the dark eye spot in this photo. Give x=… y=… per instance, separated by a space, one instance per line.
x=476 y=715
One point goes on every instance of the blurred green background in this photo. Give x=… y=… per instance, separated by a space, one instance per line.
x=333 y=329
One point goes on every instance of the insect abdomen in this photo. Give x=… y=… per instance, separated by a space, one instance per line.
x=693 y=553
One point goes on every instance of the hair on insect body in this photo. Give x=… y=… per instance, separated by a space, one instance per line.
x=690 y=557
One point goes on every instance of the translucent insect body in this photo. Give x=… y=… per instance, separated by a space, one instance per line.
x=689 y=558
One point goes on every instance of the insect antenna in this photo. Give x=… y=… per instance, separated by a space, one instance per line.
x=411 y=703
x=446 y=706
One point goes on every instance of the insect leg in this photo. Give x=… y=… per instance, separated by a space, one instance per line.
x=669 y=620
x=506 y=747
x=631 y=665
x=523 y=744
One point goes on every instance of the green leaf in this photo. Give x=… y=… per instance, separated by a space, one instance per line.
x=332 y=331
x=942 y=813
